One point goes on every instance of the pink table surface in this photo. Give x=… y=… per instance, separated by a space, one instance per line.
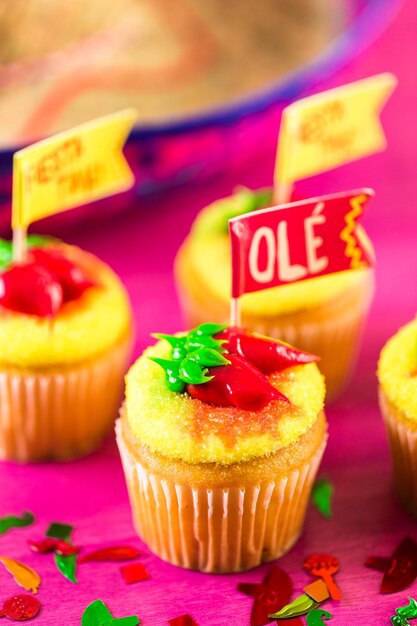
x=91 y=493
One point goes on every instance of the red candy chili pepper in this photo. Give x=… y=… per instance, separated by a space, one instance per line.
x=266 y=354
x=239 y=384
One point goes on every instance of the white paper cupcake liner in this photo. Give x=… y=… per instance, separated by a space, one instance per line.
x=220 y=529
x=63 y=412
x=403 y=445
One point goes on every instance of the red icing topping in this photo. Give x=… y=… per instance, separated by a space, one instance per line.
x=243 y=383
x=267 y=355
x=239 y=384
x=43 y=284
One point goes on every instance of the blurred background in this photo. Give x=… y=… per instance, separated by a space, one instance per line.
x=209 y=78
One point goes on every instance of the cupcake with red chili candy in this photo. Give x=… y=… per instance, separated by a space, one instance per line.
x=65 y=342
x=221 y=435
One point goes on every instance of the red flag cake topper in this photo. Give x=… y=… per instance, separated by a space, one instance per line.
x=300 y=240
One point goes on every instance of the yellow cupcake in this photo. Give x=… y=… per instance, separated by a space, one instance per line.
x=323 y=315
x=213 y=487
x=397 y=374
x=61 y=376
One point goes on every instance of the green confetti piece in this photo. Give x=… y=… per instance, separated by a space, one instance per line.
x=322 y=496
x=396 y=620
x=300 y=606
x=316 y=617
x=67 y=565
x=97 y=614
x=404 y=613
x=59 y=531
x=13 y=521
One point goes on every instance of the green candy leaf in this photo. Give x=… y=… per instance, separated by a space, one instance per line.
x=193 y=373
x=172 y=372
x=67 y=565
x=194 y=342
x=6 y=253
x=322 y=496
x=208 y=329
x=208 y=358
x=6 y=248
x=179 y=351
x=38 y=241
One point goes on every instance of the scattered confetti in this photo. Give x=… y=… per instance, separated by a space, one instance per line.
x=23 y=575
x=43 y=546
x=183 y=620
x=400 y=570
x=97 y=614
x=322 y=496
x=118 y=553
x=396 y=620
x=12 y=521
x=300 y=606
x=271 y=595
x=134 y=573
x=59 y=531
x=324 y=566
x=316 y=617
x=67 y=565
x=317 y=590
x=21 y=608
x=404 y=613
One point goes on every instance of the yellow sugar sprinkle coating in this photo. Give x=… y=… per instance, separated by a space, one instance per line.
x=82 y=330
x=397 y=370
x=170 y=423
x=208 y=250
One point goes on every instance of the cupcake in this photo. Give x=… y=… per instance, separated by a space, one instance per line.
x=323 y=315
x=221 y=435
x=397 y=374
x=65 y=342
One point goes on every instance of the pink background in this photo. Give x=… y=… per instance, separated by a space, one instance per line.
x=91 y=494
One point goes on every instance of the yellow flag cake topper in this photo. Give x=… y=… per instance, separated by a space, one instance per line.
x=331 y=128
x=72 y=168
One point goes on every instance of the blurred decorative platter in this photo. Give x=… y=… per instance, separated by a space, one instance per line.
x=207 y=77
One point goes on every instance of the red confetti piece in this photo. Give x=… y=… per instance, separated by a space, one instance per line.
x=269 y=597
x=134 y=573
x=183 y=620
x=21 y=608
x=400 y=570
x=53 y=545
x=118 y=553
x=324 y=566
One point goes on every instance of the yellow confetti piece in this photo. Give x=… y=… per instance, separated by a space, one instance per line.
x=23 y=575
